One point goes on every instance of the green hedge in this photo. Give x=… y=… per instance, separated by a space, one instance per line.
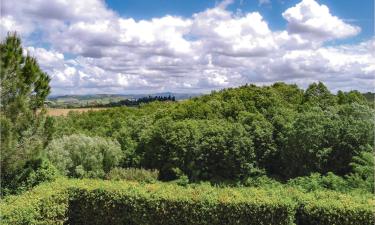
x=108 y=202
x=45 y=204
x=338 y=209
x=124 y=203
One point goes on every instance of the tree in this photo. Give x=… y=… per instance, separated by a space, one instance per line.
x=82 y=156
x=214 y=150
x=350 y=97
x=307 y=149
x=23 y=88
x=24 y=85
x=261 y=132
x=353 y=133
x=317 y=94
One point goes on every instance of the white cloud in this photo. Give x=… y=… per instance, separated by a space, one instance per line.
x=45 y=58
x=9 y=23
x=214 y=48
x=315 y=21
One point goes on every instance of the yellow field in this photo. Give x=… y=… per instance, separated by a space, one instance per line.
x=64 y=112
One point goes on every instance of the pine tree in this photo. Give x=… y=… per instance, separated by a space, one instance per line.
x=24 y=87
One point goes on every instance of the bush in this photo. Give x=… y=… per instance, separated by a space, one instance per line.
x=45 y=204
x=363 y=171
x=133 y=174
x=318 y=182
x=103 y=202
x=82 y=156
x=32 y=174
x=331 y=208
x=261 y=181
x=126 y=203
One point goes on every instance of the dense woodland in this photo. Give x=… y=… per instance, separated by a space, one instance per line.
x=250 y=136
x=236 y=134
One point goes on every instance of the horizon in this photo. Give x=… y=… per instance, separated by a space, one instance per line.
x=130 y=47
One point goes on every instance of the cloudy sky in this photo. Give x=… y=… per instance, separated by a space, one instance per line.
x=148 y=46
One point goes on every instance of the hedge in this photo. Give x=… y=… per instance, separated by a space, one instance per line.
x=336 y=209
x=118 y=202
x=45 y=204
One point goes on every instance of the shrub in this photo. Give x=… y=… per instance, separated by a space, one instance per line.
x=126 y=203
x=133 y=174
x=103 y=202
x=33 y=173
x=82 y=156
x=317 y=181
x=45 y=204
x=363 y=171
x=326 y=207
x=261 y=181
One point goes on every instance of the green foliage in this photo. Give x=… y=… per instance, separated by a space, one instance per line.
x=261 y=131
x=109 y=202
x=317 y=94
x=363 y=171
x=33 y=173
x=133 y=174
x=201 y=149
x=351 y=97
x=326 y=140
x=261 y=182
x=318 y=182
x=228 y=135
x=306 y=145
x=82 y=156
x=24 y=87
x=324 y=207
x=45 y=204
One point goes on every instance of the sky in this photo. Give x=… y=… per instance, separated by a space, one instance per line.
x=151 y=46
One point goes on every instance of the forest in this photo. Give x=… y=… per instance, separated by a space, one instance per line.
x=276 y=154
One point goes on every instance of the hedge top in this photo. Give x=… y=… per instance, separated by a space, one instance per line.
x=32 y=202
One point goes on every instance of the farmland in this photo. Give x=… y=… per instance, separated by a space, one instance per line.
x=64 y=112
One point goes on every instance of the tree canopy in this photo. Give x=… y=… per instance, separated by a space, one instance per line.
x=280 y=130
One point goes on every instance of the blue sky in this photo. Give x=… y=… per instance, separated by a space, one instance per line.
x=149 y=46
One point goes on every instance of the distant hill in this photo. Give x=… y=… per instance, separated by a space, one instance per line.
x=76 y=101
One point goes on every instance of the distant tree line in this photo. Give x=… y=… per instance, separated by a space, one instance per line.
x=136 y=102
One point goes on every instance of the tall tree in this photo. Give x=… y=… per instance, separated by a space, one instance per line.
x=24 y=88
x=317 y=94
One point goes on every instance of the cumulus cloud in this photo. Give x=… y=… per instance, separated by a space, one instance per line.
x=315 y=22
x=94 y=50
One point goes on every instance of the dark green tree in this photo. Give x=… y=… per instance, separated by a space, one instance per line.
x=24 y=88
